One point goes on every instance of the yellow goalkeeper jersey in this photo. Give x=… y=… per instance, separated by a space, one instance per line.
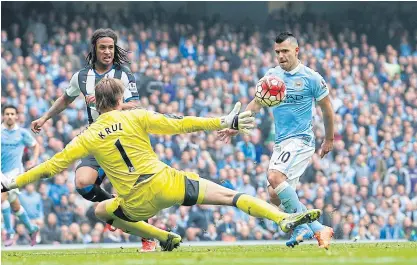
x=120 y=143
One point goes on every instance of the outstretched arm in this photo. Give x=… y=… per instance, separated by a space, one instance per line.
x=59 y=162
x=59 y=105
x=70 y=94
x=157 y=123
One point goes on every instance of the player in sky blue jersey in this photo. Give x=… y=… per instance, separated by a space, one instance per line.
x=13 y=142
x=294 y=137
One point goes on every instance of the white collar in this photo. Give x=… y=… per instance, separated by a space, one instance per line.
x=295 y=70
x=3 y=127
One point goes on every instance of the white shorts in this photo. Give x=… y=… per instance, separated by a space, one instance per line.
x=13 y=194
x=291 y=157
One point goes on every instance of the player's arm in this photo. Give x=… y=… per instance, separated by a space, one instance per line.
x=59 y=105
x=226 y=134
x=328 y=117
x=36 y=149
x=157 y=123
x=131 y=94
x=254 y=106
x=70 y=94
x=59 y=162
x=321 y=94
x=31 y=142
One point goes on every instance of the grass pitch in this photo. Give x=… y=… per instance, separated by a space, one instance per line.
x=355 y=253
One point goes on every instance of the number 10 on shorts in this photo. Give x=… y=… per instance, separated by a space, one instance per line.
x=283 y=157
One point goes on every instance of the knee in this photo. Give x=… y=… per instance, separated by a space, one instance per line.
x=15 y=206
x=275 y=178
x=83 y=179
x=101 y=212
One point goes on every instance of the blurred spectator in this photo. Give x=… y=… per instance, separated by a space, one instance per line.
x=227 y=231
x=51 y=232
x=392 y=229
x=22 y=237
x=173 y=226
x=58 y=189
x=47 y=203
x=32 y=201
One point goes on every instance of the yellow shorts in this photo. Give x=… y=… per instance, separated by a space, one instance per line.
x=165 y=189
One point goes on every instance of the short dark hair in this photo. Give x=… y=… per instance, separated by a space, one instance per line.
x=283 y=36
x=120 y=55
x=9 y=107
x=108 y=93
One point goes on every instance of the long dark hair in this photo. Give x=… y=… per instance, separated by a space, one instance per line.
x=120 y=55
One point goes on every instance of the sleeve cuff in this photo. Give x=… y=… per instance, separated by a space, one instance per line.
x=322 y=96
x=69 y=96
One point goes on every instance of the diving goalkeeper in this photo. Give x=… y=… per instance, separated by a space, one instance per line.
x=120 y=143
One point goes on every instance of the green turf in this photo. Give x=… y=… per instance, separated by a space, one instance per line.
x=378 y=253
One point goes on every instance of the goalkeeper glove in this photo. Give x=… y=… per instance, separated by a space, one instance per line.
x=7 y=184
x=243 y=122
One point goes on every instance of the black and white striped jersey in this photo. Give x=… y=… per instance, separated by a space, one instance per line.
x=84 y=81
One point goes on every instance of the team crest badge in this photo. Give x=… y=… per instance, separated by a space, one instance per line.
x=298 y=84
x=132 y=87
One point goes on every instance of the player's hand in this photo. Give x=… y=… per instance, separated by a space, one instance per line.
x=90 y=99
x=36 y=125
x=226 y=135
x=243 y=122
x=326 y=147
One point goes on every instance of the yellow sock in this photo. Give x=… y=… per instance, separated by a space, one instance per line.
x=141 y=229
x=258 y=208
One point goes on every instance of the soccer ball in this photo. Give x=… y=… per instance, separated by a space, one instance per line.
x=270 y=91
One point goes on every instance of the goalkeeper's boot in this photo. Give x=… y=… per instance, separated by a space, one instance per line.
x=148 y=245
x=173 y=241
x=300 y=233
x=110 y=228
x=324 y=237
x=33 y=234
x=296 y=219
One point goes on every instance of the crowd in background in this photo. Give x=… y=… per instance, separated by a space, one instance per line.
x=366 y=187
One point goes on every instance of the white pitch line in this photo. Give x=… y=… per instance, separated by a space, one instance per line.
x=185 y=244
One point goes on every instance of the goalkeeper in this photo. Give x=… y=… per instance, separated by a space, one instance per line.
x=120 y=143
